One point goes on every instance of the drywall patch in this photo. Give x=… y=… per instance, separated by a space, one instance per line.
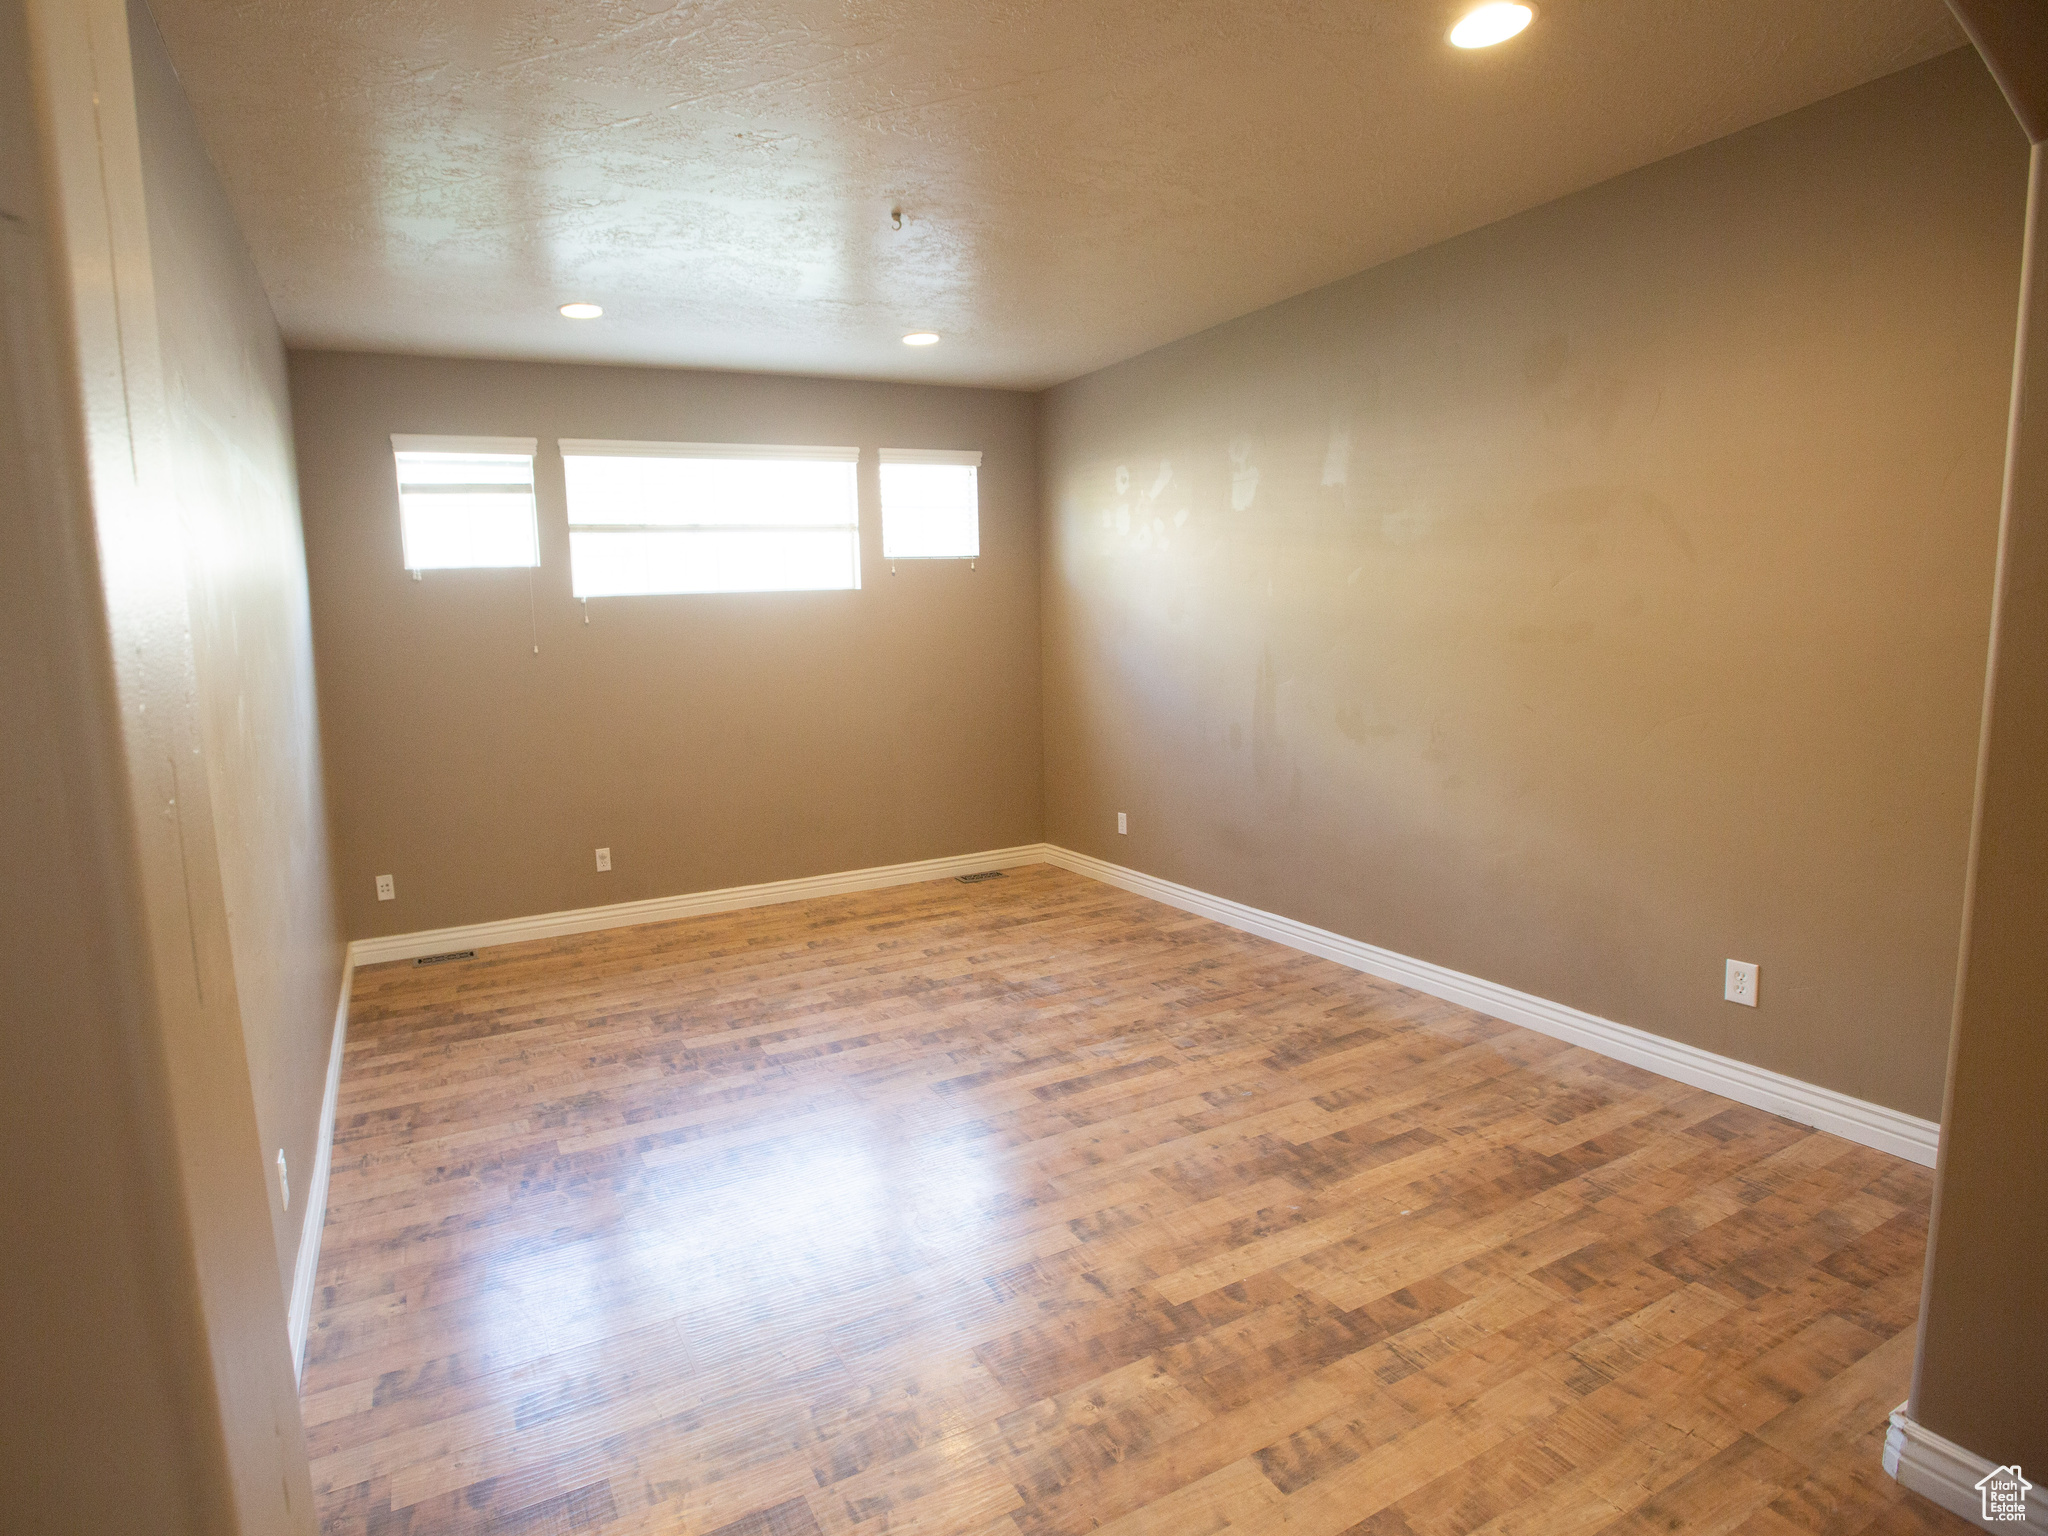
x=1244 y=474
x=1337 y=456
x=1543 y=363
x=1360 y=723
x=1137 y=516
x=1409 y=525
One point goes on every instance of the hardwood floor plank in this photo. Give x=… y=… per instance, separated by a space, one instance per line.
x=1030 y=1208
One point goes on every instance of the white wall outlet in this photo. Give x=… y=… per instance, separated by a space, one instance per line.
x=284 y=1181
x=1741 y=983
x=604 y=858
x=386 y=891
x=1123 y=823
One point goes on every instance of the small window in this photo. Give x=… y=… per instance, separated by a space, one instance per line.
x=465 y=502
x=648 y=518
x=931 y=505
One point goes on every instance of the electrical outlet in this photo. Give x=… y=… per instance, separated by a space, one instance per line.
x=1741 y=983
x=386 y=891
x=604 y=858
x=1123 y=823
x=284 y=1181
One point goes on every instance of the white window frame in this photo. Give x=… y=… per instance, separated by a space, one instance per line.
x=969 y=457
x=414 y=442
x=584 y=447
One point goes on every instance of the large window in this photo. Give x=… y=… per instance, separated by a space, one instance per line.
x=465 y=502
x=931 y=505
x=710 y=517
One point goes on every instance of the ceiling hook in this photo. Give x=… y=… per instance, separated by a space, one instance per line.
x=895 y=218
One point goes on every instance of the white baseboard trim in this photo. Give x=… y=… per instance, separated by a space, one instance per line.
x=1873 y=1125
x=1939 y=1469
x=315 y=1220
x=661 y=909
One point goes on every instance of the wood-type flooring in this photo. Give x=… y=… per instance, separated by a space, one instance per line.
x=1032 y=1208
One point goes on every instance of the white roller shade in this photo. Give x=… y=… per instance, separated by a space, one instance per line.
x=931 y=504
x=648 y=518
x=465 y=502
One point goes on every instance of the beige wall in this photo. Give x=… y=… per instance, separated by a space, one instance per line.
x=142 y=1324
x=230 y=435
x=707 y=741
x=1585 y=600
x=86 y=1338
x=1983 y=1361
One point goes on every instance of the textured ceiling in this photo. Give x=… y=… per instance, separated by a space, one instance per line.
x=1080 y=179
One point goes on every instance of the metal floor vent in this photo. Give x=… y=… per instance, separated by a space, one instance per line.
x=986 y=874
x=453 y=954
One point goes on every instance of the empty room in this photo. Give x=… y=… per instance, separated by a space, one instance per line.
x=853 y=769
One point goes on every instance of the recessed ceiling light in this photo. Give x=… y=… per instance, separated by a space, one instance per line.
x=921 y=339
x=1491 y=24
x=582 y=311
